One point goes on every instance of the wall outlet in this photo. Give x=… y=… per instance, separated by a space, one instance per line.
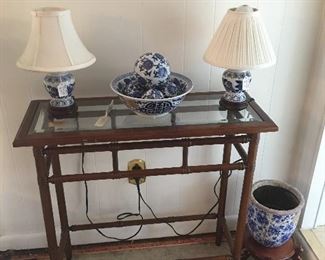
x=136 y=164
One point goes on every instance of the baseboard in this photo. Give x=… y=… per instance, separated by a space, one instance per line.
x=23 y=241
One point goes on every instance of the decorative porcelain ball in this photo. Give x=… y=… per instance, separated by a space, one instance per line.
x=181 y=87
x=152 y=68
x=142 y=81
x=170 y=90
x=153 y=94
x=134 y=90
x=123 y=85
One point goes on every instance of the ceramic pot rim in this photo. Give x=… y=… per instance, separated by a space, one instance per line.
x=281 y=184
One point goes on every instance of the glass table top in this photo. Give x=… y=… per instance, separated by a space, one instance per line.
x=196 y=109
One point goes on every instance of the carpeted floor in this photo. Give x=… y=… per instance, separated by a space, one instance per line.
x=205 y=250
x=198 y=247
x=160 y=253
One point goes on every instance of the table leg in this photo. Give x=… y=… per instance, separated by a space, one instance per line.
x=42 y=174
x=223 y=194
x=61 y=204
x=247 y=186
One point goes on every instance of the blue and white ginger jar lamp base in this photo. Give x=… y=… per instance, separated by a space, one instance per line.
x=235 y=83
x=60 y=86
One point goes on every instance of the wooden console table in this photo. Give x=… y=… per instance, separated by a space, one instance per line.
x=198 y=121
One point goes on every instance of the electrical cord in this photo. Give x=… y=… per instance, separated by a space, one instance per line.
x=121 y=216
x=229 y=174
x=204 y=217
x=125 y=215
x=171 y=226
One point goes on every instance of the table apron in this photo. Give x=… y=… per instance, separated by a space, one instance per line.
x=145 y=173
x=120 y=146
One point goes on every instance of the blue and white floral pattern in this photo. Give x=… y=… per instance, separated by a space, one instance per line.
x=170 y=89
x=156 y=101
x=153 y=94
x=235 y=82
x=62 y=102
x=60 y=87
x=152 y=68
x=157 y=107
x=135 y=90
x=130 y=86
x=270 y=227
x=270 y=230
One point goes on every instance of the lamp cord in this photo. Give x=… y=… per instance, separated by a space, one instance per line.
x=121 y=216
x=125 y=215
x=204 y=217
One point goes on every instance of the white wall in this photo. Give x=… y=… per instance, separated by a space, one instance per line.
x=314 y=214
x=309 y=165
x=117 y=32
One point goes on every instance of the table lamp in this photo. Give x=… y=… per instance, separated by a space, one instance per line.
x=55 y=47
x=240 y=44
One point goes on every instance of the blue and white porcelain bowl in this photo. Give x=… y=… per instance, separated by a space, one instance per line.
x=273 y=212
x=147 y=102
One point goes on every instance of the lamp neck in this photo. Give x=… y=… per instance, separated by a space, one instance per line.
x=58 y=74
x=236 y=71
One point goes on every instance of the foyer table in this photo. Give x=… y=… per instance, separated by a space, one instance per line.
x=197 y=121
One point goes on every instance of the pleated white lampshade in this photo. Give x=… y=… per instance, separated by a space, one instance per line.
x=241 y=42
x=54 y=45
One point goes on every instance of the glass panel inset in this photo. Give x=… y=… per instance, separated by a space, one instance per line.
x=197 y=109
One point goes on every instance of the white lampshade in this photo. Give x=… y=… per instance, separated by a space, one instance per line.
x=54 y=45
x=241 y=42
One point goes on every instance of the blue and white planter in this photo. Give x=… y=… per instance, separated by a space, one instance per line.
x=273 y=212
